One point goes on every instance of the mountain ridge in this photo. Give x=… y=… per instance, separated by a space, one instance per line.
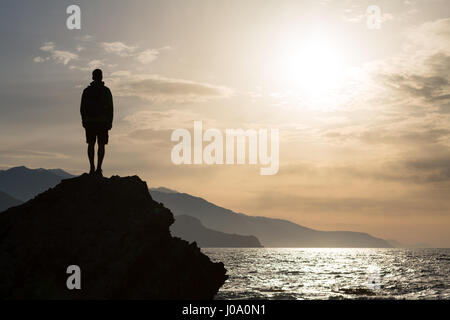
x=272 y=232
x=23 y=183
x=191 y=229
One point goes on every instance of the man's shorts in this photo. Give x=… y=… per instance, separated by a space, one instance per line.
x=97 y=132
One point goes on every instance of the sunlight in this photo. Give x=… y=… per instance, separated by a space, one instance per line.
x=313 y=67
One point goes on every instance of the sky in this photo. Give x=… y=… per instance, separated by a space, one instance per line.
x=363 y=113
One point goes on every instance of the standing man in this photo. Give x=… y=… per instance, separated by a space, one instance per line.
x=97 y=116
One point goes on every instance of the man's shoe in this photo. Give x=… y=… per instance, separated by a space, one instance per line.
x=99 y=173
x=92 y=171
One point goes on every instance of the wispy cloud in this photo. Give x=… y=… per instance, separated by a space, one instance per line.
x=40 y=59
x=119 y=48
x=150 y=87
x=164 y=120
x=59 y=56
x=93 y=64
x=147 y=56
x=158 y=88
x=108 y=50
x=32 y=154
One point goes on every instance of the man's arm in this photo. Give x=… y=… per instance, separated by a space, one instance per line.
x=83 y=107
x=110 y=106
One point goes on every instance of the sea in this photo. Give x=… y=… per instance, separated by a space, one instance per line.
x=322 y=273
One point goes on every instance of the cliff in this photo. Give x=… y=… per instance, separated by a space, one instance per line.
x=117 y=235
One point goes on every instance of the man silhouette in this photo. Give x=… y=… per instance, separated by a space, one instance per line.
x=97 y=116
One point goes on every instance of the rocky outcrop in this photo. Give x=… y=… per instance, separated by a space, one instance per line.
x=117 y=235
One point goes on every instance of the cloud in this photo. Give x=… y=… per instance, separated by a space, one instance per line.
x=410 y=168
x=88 y=45
x=85 y=38
x=157 y=88
x=48 y=46
x=147 y=56
x=156 y=137
x=427 y=87
x=93 y=64
x=403 y=138
x=431 y=36
x=150 y=87
x=430 y=169
x=40 y=59
x=58 y=56
x=165 y=120
x=420 y=74
x=144 y=56
x=32 y=154
x=118 y=48
x=64 y=57
x=409 y=94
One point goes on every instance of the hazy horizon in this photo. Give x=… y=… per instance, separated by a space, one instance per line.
x=363 y=115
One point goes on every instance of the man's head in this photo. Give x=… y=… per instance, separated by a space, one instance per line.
x=97 y=75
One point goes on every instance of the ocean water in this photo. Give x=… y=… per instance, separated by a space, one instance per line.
x=298 y=273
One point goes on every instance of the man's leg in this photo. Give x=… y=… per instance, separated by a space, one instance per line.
x=101 y=155
x=91 y=153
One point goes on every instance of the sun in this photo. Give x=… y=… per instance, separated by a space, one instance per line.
x=313 y=66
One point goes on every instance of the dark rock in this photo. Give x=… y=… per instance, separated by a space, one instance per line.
x=117 y=235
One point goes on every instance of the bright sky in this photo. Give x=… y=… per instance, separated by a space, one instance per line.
x=363 y=114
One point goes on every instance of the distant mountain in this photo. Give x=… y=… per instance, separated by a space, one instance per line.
x=6 y=201
x=23 y=183
x=398 y=244
x=191 y=229
x=270 y=232
x=59 y=172
x=162 y=189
